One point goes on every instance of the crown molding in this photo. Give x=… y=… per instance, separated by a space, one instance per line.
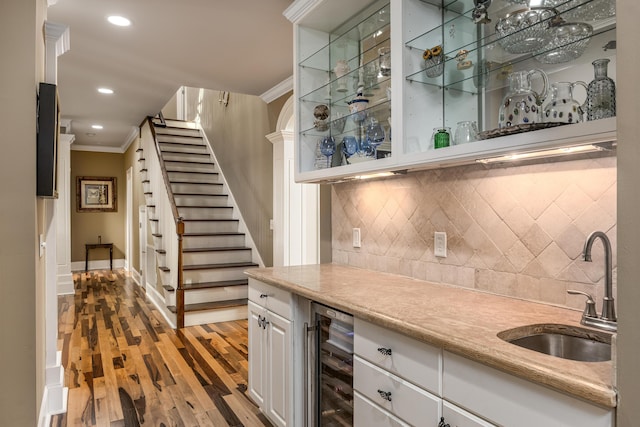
x=300 y=8
x=133 y=135
x=278 y=90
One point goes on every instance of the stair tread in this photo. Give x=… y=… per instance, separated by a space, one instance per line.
x=156 y=235
x=165 y=269
x=144 y=170
x=210 y=285
x=161 y=251
x=204 y=207
x=211 y=305
x=200 y=194
x=217 y=249
x=193 y=172
x=168 y=288
x=180 y=143
x=195 y=183
x=221 y=233
x=221 y=265
x=139 y=150
x=210 y=220
x=194 y=153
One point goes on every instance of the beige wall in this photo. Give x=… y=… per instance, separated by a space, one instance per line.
x=21 y=270
x=628 y=215
x=237 y=134
x=516 y=231
x=86 y=226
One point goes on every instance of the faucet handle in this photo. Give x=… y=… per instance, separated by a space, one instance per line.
x=590 y=307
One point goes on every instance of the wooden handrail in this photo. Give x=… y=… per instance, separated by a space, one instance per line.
x=179 y=227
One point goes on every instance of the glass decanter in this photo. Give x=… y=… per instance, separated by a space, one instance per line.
x=601 y=93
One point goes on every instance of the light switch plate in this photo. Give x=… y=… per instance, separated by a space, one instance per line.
x=440 y=244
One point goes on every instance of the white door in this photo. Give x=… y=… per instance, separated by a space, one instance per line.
x=142 y=236
x=279 y=370
x=257 y=354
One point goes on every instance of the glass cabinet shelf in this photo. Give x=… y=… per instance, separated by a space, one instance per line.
x=338 y=52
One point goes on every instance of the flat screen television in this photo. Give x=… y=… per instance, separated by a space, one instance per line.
x=47 y=141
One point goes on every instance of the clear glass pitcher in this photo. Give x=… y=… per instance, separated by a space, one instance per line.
x=522 y=104
x=562 y=107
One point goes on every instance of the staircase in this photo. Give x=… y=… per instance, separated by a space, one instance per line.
x=201 y=251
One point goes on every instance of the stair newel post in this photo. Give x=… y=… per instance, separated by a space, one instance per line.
x=180 y=287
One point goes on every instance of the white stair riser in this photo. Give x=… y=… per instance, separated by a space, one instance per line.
x=148 y=199
x=217 y=257
x=213 y=241
x=211 y=227
x=157 y=242
x=205 y=200
x=214 y=275
x=190 y=148
x=161 y=258
x=190 y=167
x=164 y=133
x=193 y=177
x=215 y=316
x=141 y=163
x=188 y=157
x=146 y=187
x=215 y=294
x=197 y=188
x=140 y=155
x=154 y=225
x=206 y=213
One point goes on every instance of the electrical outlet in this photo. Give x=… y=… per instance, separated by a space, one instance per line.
x=356 y=237
x=440 y=244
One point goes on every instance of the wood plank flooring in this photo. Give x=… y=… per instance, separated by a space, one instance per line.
x=125 y=366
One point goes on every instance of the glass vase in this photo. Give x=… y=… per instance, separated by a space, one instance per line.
x=601 y=93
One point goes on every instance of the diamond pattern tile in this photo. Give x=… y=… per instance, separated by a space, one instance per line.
x=516 y=231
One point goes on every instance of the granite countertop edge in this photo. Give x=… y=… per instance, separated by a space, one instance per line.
x=586 y=380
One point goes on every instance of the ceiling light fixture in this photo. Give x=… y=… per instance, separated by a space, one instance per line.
x=96 y=126
x=589 y=148
x=105 y=90
x=120 y=21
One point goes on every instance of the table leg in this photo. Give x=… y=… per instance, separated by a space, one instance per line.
x=86 y=260
x=111 y=258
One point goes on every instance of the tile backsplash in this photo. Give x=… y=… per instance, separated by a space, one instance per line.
x=516 y=231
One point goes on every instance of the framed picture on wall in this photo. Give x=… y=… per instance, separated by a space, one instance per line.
x=96 y=194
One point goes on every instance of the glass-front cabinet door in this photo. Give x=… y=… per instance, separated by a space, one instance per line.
x=468 y=80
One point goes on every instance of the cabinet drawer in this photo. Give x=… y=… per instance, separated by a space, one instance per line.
x=368 y=414
x=416 y=361
x=457 y=417
x=406 y=401
x=507 y=400
x=270 y=297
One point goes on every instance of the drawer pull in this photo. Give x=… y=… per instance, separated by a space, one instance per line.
x=384 y=351
x=442 y=424
x=263 y=295
x=386 y=395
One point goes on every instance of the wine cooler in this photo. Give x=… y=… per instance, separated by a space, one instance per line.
x=330 y=379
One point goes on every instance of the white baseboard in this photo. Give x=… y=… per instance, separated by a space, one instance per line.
x=158 y=300
x=135 y=275
x=99 y=264
x=55 y=394
x=64 y=284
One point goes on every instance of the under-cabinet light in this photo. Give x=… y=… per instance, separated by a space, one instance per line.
x=547 y=153
x=380 y=174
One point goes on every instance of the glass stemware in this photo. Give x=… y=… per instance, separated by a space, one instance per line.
x=349 y=145
x=374 y=134
x=328 y=147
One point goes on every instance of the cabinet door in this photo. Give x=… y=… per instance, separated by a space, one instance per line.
x=257 y=354
x=279 y=399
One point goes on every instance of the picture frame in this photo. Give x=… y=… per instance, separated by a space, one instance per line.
x=96 y=194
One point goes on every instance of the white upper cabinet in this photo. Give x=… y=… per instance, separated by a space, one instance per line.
x=367 y=101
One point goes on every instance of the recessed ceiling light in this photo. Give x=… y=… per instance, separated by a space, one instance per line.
x=90 y=134
x=120 y=21
x=105 y=90
x=96 y=126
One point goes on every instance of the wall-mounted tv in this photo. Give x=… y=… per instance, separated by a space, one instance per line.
x=47 y=141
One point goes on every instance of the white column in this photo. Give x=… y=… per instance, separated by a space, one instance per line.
x=296 y=222
x=63 y=216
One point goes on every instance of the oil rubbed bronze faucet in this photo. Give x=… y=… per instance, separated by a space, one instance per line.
x=607 y=320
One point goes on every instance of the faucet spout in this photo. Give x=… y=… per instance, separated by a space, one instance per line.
x=608 y=304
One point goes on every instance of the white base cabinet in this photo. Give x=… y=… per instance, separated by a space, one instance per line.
x=271 y=352
x=399 y=381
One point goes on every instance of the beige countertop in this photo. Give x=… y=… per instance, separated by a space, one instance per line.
x=463 y=321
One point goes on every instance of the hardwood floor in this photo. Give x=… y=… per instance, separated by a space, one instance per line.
x=125 y=366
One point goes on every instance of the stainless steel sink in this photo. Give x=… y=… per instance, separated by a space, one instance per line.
x=564 y=341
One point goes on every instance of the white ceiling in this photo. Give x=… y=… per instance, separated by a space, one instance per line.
x=242 y=46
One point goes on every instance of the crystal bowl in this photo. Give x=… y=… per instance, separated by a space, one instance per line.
x=525 y=30
x=568 y=41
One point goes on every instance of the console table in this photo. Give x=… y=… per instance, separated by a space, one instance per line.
x=97 y=246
